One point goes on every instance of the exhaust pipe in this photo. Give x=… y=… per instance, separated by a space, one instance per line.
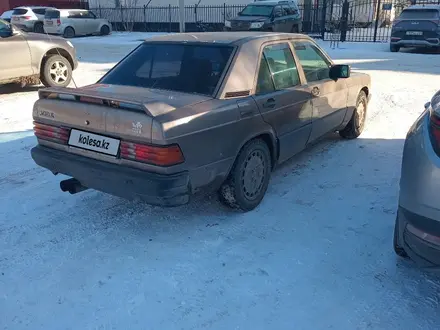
x=72 y=185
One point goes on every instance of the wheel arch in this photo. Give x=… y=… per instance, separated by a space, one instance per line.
x=56 y=51
x=270 y=139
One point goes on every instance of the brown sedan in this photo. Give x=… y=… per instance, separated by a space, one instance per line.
x=190 y=113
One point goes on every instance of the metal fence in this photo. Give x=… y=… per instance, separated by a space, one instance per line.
x=355 y=20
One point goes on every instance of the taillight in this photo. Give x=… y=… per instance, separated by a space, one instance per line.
x=51 y=133
x=58 y=21
x=156 y=155
x=26 y=17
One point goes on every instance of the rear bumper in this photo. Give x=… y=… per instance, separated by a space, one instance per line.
x=412 y=238
x=432 y=42
x=125 y=182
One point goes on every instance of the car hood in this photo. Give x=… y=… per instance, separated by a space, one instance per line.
x=155 y=102
x=250 y=18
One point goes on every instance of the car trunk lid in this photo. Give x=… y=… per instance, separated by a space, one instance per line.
x=118 y=112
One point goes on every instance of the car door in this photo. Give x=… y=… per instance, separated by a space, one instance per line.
x=279 y=21
x=329 y=96
x=77 y=21
x=15 y=56
x=283 y=100
x=91 y=22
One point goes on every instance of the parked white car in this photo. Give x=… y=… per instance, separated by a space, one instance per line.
x=29 y=19
x=75 y=22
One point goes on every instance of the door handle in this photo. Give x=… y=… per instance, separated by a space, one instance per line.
x=270 y=103
x=315 y=91
x=246 y=113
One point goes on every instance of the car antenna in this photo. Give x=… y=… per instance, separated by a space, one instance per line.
x=50 y=38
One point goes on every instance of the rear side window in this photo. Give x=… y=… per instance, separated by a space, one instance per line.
x=176 y=67
x=420 y=14
x=19 y=11
x=39 y=11
x=52 y=14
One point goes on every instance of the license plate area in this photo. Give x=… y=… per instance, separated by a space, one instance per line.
x=94 y=142
x=48 y=22
x=414 y=33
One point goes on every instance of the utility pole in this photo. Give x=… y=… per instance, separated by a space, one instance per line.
x=182 y=16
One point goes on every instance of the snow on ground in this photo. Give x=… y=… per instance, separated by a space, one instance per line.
x=317 y=254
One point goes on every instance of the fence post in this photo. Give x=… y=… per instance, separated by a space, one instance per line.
x=145 y=18
x=344 y=21
x=376 y=23
x=169 y=18
x=224 y=12
x=122 y=17
x=100 y=12
x=323 y=18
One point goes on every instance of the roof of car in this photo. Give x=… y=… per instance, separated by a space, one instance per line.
x=421 y=7
x=230 y=38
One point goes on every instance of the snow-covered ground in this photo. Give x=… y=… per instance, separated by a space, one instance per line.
x=317 y=254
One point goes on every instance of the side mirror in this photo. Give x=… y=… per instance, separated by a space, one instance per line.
x=7 y=32
x=339 y=71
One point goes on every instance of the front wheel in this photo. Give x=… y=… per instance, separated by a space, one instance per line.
x=56 y=72
x=105 y=30
x=356 y=124
x=247 y=182
x=38 y=27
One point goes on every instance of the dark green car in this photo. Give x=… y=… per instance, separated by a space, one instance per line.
x=277 y=16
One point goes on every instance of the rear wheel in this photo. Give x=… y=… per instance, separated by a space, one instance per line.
x=69 y=32
x=247 y=182
x=105 y=30
x=394 y=48
x=295 y=29
x=356 y=124
x=38 y=27
x=398 y=249
x=56 y=72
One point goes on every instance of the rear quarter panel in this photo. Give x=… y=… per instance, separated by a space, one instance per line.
x=210 y=136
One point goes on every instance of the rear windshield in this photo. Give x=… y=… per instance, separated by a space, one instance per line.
x=19 y=11
x=51 y=14
x=177 y=67
x=419 y=14
x=252 y=10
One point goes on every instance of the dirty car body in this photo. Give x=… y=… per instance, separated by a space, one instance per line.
x=23 y=56
x=163 y=132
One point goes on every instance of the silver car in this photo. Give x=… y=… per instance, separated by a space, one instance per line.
x=75 y=22
x=417 y=228
x=29 y=19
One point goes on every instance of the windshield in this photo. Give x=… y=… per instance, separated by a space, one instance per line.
x=252 y=10
x=177 y=67
x=419 y=14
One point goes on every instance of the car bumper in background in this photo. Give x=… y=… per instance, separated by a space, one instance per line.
x=122 y=181
x=431 y=42
x=419 y=237
x=53 y=29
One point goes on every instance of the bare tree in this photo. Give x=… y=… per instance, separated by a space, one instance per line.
x=129 y=9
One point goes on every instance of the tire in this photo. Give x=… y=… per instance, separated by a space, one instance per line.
x=394 y=49
x=69 y=32
x=398 y=249
x=356 y=124
x=105 y=30
x=56 y=71
x=38 y=27
x=248 y=180
x=295 y=29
